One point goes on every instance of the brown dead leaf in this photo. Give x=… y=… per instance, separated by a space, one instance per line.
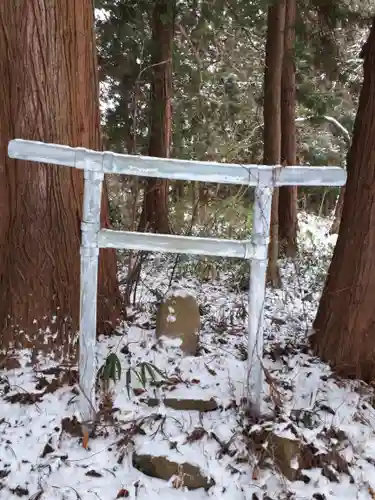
x=255 y=474
x=85 y=439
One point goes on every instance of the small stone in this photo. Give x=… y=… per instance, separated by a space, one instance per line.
x=163 y=468
x=151 y=402
x=283 y=451
x=180 y=404
x=191 y=404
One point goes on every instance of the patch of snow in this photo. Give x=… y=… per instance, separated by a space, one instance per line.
x=320 y=408
x=170 y=342
x=177 y=291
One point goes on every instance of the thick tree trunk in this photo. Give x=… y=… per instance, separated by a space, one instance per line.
x=155 y=208
x=288 y=194
x=49 y=93
x=272 y=120
x=345 y=323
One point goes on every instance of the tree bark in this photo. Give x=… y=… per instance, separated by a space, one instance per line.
x=344 y=328
x=288 y=194
x=49 y=93
x=334 y=229
x=272 y=120
x=155 y=207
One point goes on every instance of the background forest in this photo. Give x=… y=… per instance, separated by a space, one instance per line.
x=218 y=72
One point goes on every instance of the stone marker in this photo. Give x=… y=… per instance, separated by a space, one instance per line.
x=178 y=318
x=291 y=456
x=163 y=468
x=183 y=404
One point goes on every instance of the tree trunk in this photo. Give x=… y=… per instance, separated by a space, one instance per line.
x=272 y=120
x=288 y=194
x=178 y=191
x=345 y=323
x=49 y=93
x=155 y=207
x=334 y=229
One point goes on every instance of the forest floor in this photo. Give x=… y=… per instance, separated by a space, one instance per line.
x=323 y=434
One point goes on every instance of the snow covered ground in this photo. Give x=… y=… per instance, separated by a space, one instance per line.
x=331 y=420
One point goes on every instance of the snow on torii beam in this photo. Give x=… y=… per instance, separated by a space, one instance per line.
x=170 y=168
x=95 y=164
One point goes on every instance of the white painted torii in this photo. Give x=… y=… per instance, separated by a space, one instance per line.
x=95 y=164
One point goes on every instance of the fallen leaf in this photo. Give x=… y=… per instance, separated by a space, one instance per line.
x=93 y=473
x=85 y=439
x=123 y=493
x=138 y=391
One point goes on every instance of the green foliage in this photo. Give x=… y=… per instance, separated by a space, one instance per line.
x=110 y=370
x=144 y=372
x=214 y=93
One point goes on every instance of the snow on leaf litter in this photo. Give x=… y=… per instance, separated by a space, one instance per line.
x=181 y=419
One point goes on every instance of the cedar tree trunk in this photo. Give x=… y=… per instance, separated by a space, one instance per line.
x=272 y=120
x=155 y=207
x=49 y=93
x=288 y=194
x=345 y=323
